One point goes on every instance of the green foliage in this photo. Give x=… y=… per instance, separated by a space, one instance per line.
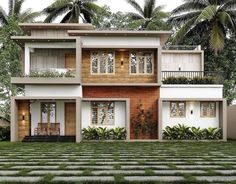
x=4 y=133
x=143 y=123
x=9 y=64
x=48 y=74
x=100 y=133
x=71 y=10
x=194 y=80
x=212 y=20
x=183 y=132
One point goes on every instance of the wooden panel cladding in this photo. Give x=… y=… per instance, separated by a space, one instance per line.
x=49 y=33
x=49 y=58
x=122 y=74
x=70 y=119
x=182 y=61
x=23 y=119
x=70 y=61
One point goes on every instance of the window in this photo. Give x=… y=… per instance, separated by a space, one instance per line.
x=103 y=113
x=102 y=62
x=177 y=109
x=48 y=112
x=141 y=62
x=208 y=109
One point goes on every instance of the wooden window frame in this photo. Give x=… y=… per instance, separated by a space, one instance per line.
x=178 y=107
x=214 y=116
x=98 y=73
x=91 y=116
x=145 y=66
x=47 y=112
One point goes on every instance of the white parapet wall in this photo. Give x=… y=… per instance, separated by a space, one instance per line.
x=191 y=120
x=119 y=112
x=191 y=91
x=53 y=90
x=120 y=41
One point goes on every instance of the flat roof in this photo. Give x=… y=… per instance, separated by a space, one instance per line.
x=117 y=33
x=27 y=27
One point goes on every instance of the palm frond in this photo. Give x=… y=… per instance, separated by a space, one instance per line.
x=57 y=4
x=226 y=20
x=136 y=6
x=187 y=7
x=182 y=19
x=184 y=30
x=3 y=16
x=11 y=5
x=28 y=16
x=217 y=38
x=157 y=10
x=230 y=5
x=207 y=13
x=54 y=14
x=149 y=6
x=66 y=17
x=18 y=7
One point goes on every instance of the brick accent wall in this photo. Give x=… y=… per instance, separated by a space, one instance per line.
x=23 y=125
x=148 y=95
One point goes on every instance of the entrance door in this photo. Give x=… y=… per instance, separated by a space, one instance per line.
x=70 y=118
x=70 y=61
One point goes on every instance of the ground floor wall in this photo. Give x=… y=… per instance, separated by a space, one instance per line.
x=192 y=116
x=231 y=122
x=146 y=96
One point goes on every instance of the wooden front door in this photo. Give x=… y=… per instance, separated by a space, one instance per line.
x=70 y=118
x=70 y=61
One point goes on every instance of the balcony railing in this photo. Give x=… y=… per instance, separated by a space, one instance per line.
x=182 y=47
x=192 y=77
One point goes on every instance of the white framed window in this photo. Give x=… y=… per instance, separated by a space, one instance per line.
x=103 y=113
x=208 y=109
x=141 y=62
x=177 y=109
x=102 y=62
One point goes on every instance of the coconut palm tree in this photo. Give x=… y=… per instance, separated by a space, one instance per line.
x=15 y=9
x=213 y=19
x=146 y=14
x=72 y=10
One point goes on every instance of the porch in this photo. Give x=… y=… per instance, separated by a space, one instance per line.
x=46 y=119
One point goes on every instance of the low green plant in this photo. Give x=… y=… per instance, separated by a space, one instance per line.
x=5 y=133
x=50 y=74
x=100 y=133
x=194 y=80
x=183 y=132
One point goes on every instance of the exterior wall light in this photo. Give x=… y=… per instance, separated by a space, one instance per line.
x=179 y=67
x=191 y=112
x=122 y=63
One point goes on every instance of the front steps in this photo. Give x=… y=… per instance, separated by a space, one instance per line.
x=52 y=138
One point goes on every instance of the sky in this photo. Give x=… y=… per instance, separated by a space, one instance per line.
x=115 y=5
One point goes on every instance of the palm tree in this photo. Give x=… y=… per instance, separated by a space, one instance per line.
x=15 y=9
x=72 y=10
x=146 y=14
x=212 y=19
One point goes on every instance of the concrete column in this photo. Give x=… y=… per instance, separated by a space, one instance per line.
x=27 y=60
x=14 y=120
x=159 y=75
x=128 y=119
x=78 y=58
x=78 y=120
x=159 y=105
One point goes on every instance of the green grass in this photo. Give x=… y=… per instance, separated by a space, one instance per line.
x=118 y=152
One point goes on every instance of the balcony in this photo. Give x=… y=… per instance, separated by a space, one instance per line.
x=192 y=77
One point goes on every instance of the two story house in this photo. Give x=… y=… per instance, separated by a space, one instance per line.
x=76 y=77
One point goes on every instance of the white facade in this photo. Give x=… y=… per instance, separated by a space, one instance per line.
x=119 y=112
x=191 y=91
x=190 y=120
x=120 y=41
x=53 y=90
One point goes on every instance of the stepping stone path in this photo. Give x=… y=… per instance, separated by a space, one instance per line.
x=112 y=162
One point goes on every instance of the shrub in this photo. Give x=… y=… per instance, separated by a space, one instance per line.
x=100 y=133
x=183 y=132
x=194 y=80
x=4 y=133
x=49 y=74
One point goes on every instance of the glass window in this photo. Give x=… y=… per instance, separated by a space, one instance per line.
x=102 y=62
x=177 y=109
x=103 y=113
x=48 y=112
x=141 y=62
x=208 y=109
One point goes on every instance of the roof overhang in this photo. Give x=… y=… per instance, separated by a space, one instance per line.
x=118 y=33
x=27 y=27
x=21 y=40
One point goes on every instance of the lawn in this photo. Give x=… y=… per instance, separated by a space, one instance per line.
x=118 y=162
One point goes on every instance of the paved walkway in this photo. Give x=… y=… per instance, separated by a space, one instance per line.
x=109 y=162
